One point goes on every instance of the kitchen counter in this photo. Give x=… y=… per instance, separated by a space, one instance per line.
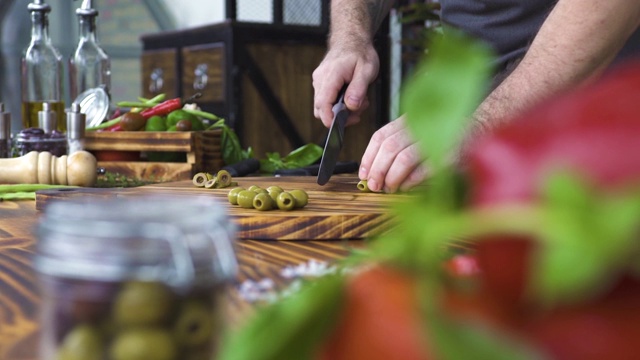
x=20 y=298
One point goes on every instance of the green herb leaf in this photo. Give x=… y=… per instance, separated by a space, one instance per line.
x=303 y=156
x=587 y=239
x=290 y=328
x=444 y=92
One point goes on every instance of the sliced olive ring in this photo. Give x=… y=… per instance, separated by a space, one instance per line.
x=362 y=186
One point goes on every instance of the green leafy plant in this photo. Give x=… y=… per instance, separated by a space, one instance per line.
x=300 y=157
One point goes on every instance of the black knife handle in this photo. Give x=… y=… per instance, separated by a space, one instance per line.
x=243 y=167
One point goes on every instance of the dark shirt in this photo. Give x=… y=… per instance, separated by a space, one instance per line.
x=508 y=26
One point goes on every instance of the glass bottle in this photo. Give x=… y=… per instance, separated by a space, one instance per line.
x=150 y=270
x=42 y=70
x=89 y=66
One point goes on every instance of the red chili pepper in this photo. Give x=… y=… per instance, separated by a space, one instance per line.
x=116 y=127
x=163 y=108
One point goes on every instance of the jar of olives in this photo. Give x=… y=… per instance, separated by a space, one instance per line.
x=139 y=277
x=35 y=139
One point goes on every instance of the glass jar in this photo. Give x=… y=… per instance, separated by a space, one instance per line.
x=138 y=277
x=35 y=139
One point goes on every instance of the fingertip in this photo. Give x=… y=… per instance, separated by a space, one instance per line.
x=372 y=184
x=363 y=172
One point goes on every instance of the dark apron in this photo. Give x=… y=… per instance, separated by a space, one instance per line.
x=508 y=26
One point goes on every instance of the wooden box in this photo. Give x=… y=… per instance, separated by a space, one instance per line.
x=202 y=152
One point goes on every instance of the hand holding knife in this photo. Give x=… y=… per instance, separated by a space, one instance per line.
x=335 y=139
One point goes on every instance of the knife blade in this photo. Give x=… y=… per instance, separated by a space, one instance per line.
x=333 y=145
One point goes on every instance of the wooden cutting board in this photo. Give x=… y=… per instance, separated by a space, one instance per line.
x=337 y=210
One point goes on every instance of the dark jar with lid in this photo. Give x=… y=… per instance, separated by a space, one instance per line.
x=35 y=139
x=140 y=278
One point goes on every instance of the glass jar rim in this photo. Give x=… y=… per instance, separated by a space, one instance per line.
x=178 y=240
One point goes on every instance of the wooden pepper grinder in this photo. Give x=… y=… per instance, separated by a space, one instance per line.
x=78 y=169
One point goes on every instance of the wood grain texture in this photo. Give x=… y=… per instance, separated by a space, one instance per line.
x=335 y=211
x=183 y=141
x=166 y=61
x=209 y=59
x=20 y=298
x=202 y=148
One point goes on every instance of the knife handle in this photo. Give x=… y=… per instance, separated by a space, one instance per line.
x=243 y=167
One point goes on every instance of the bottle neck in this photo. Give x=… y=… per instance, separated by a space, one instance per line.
x=39 y=27
x=87 y=25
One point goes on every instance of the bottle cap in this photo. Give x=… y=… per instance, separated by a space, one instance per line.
x=87 y=9
x=5 y=124
x=76 y=122
x=47 y=118
x=39 y=5
x=94 y=103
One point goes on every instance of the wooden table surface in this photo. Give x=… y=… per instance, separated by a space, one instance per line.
x=19 y=294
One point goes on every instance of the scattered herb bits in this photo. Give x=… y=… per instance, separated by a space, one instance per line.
x=274 y=197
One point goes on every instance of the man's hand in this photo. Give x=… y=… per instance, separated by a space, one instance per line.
x=392 y=160
x=358 y=68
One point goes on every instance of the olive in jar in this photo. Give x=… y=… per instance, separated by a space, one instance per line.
x=143 y=304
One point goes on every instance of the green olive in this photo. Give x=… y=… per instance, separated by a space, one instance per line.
x=132 y=121
x=194 y=325
x=301 y=197
x=144 y=343
x=233 y=195
x=245 y=199
x=200 y=178
x=211 y=183
x=263 y=202
x=143 y=303
x=286 y=201
x=224 y=178
x=362 y=186
x=274 y=192
x=254 y=188
x=275 y=188
x=83 y=342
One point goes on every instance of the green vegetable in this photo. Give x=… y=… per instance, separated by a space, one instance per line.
x=156 y=123
x=25 y=191
x=175 y=116
x=291 y=328
x=115 y=121
x=300 y=157
x=131 y=104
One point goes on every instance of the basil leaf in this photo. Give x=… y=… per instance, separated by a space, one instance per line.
x=443 y=94
x=290 y=328
x=303 y=156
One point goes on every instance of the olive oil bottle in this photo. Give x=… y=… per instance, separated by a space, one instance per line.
x=42 y=70
x=89 y=66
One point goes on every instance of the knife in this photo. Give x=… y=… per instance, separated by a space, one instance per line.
x=334 y=139
x=342 y=167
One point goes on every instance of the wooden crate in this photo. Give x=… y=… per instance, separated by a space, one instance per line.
x=202 y=148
